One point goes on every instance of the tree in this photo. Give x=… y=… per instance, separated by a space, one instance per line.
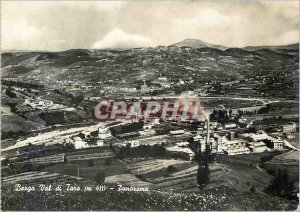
x=171 y=169
x=252 y=189
x=107 y=161
x=202 y=176
x=10 y=93
x=269 y=144
x=100 y=177
x=230 y=113
x=204 y=159
x=281 y=186
x=69 y=146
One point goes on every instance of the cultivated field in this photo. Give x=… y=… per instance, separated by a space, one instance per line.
x=127 y=180
x=36 y=178
x=80 y=168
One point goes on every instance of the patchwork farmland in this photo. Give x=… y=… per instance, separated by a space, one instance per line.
x=36 y=177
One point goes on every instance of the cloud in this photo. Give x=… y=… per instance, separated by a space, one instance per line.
x=205 y=18
x=117 y=38
x=61 y=25
x=19 y=32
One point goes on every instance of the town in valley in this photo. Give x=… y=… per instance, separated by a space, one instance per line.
x=232 y=157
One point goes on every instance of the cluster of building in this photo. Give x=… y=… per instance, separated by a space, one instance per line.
x=42 y=104
x=233 y=142
x=226 y=138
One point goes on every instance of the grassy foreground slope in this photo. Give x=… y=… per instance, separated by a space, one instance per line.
x=222 y=198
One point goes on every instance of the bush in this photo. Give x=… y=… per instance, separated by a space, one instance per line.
x=171 y=169
x=252 y=189
x=271 y=171
x=266 y=158
x=107 y=161
x=141 y=177
x=100 y=177
x=10 y=93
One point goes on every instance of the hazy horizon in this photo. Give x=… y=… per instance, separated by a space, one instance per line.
x=45 y=50
x=63 y=25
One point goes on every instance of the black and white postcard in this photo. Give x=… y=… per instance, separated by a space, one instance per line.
x=150 y=105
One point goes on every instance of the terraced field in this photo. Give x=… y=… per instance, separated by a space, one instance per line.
x=36 y=177
x=149 y=166
x=127 y=180
x=155 y=172
x=56 y=158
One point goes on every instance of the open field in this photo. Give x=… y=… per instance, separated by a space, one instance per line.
x=250 y=158
x=288 y=161
x=81 y=169
x=239 y=177
x=230 y=102
x=14 y=124
x=292 y=155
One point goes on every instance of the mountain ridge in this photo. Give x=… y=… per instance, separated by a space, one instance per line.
x=197 y=43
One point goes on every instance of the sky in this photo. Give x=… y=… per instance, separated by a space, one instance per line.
x=61 y=25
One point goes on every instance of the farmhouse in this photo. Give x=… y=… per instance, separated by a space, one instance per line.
x=290 y=127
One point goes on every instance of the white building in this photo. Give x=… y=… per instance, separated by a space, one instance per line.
x=163 y=79
x=177 y=132
x=230 y=126
x=259 y=136
x=237 y=147
x=257 y=146
x=289 y=127
x=103 y=132
x=278 y=144
x=147 y=132
x=222 y=143
x=145 y=88
x=201 y=141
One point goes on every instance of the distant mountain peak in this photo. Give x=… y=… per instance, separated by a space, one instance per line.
x=196 y=43
x=194 y=40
